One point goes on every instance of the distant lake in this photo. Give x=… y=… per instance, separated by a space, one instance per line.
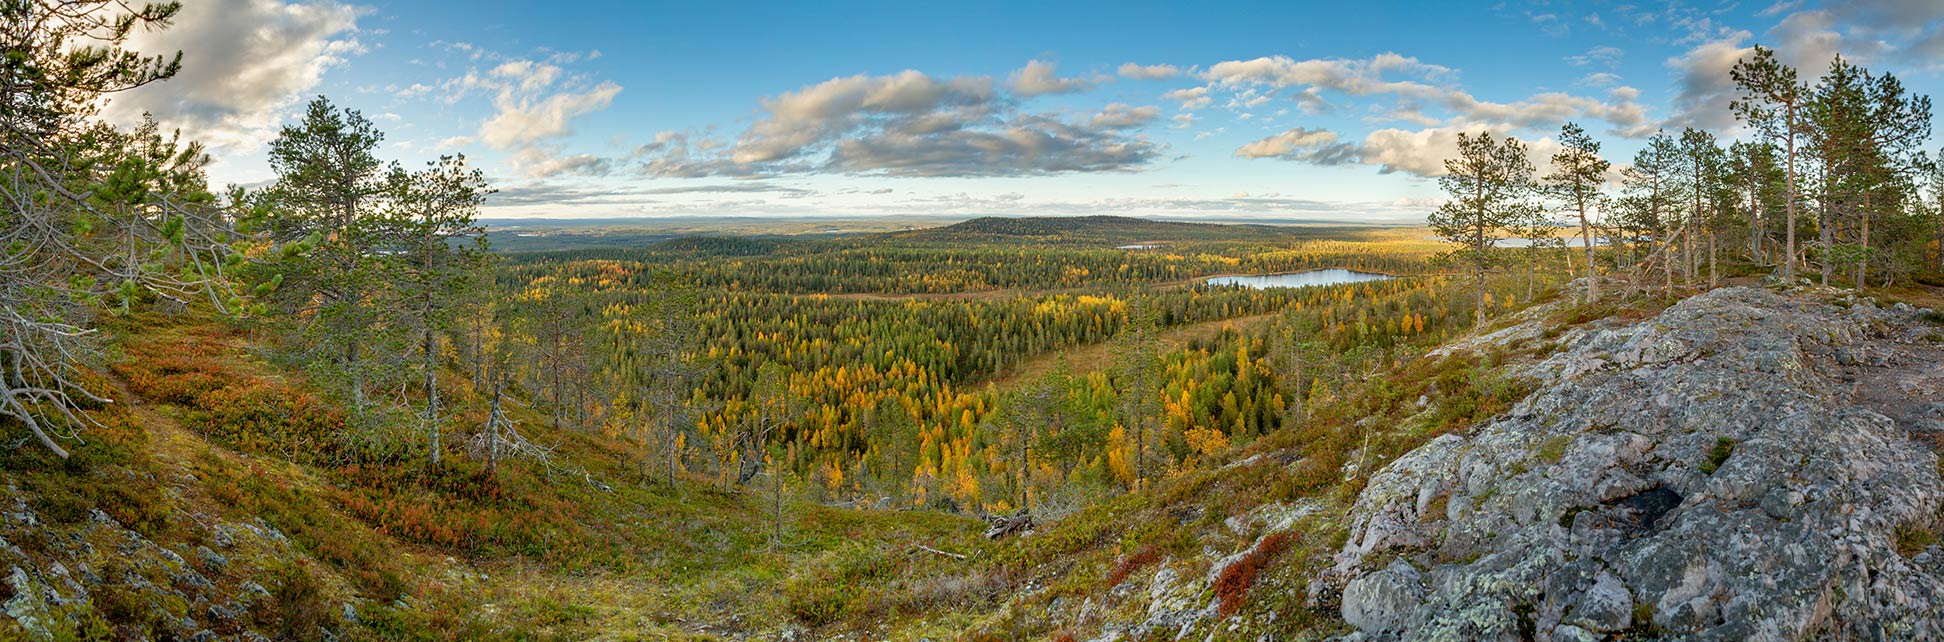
x=1571 y=241
x=1312 y=278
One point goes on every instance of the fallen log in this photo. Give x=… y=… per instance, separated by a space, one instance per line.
x=1003 y=525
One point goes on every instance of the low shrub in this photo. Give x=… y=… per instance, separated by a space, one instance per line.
x=1146 y=555
x=1232 y=586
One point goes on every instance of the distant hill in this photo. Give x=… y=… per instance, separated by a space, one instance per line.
x=1083 y=229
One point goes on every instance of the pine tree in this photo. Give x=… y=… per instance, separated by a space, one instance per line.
x=1491 y=185
x=1578 y=174
x=328 y=200
x=1699 y=166
x=90 y=216
x=1137 y=364
x=439 y=252
x=1648 y=203
x=1772 y=100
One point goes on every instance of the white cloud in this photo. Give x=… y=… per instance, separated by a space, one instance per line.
x=535 y=104
x=523 y=119
x=1419 y=152
x=1148 y=72
x=1422 y=87
x=1606 y=56
x=1705 y=85
x=911 y=124
x=1314 y=146
x=1867 y=32
x=548 y=160
x=244 y=64
x=1780 y=8
x=1121 y=116
x=1039 y=77
x=1599 y=79
x=819 y=113
x=1424 y=152
x=1354 y=77
x=1191 y=98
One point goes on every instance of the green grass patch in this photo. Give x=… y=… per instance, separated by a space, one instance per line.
x=1718 y=455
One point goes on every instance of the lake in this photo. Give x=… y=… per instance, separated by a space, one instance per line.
x=1311 y=278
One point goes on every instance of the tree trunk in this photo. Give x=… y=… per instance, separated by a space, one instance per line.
x=1687 y=254
x=492 y=429
x=1667 y=263
x=1788 y=261
x=1586 y=238
x=1714 y=262
x=557 y=408
x=1481 y=245
x=1863 y=261
x=432 y=393
x=1825 y=228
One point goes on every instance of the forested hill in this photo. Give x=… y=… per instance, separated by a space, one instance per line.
x=1084 y=229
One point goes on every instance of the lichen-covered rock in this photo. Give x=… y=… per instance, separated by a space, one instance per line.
x=1738 y=468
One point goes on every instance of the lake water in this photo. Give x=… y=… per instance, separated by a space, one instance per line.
x=1311 y=278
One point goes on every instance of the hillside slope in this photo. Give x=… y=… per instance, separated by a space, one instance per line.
x=1741 y=465
x=222 y=498
x=1744 y=466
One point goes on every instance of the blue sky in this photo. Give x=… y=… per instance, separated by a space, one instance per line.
x=1335 y=110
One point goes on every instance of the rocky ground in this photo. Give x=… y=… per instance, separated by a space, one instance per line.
x=1745 y=466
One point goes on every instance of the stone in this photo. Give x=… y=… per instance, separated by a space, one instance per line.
x=213 y=561
x=1787 y=532
x=1606 y=606
x=1384 y=600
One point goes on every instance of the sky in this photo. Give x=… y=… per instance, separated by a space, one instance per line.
x=1338 y=111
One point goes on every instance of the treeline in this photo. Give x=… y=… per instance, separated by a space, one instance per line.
x=1833 y=182
x=849 y=268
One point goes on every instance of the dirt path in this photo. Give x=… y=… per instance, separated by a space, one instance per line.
x=1095 y=357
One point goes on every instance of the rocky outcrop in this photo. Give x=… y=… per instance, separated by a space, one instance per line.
x=1745 y=466
x=63 y=580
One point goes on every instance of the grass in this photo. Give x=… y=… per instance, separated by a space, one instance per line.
x=1553 y=448
x=1718 y=455
x=1913 y=538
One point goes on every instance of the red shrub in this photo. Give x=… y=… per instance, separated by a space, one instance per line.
x=1146 y=555
x=1232 y=586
